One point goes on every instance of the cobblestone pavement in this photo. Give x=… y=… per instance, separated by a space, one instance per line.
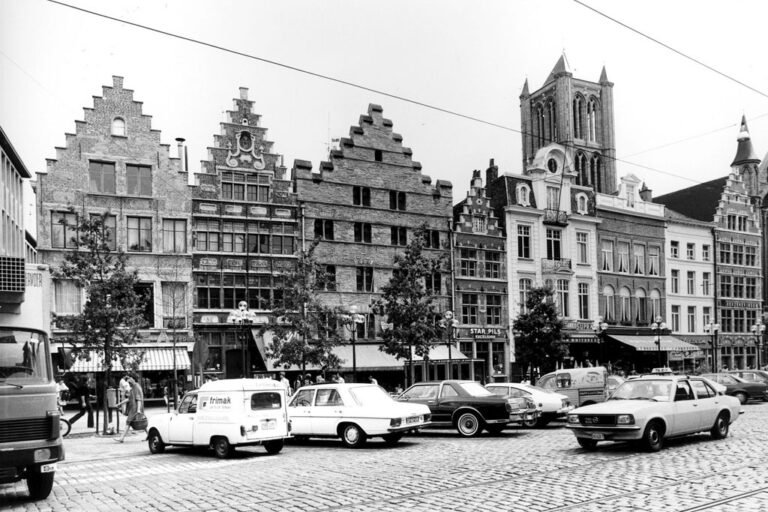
x=520 y=470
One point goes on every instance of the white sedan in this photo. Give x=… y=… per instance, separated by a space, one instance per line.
x=353 y=412
x=550 y=404
x=652 y=408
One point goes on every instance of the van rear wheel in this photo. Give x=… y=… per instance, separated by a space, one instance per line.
x=222 y=447
x=273 y=447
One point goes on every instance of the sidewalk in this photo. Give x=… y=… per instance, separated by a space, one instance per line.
x=80 y=427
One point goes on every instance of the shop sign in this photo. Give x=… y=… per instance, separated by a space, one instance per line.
x=485 y=333
x=259 y=211
x=208 y=262
x=234 y=209
x=741 y=304
x=259 y=264
x=233 y=263
x=205 y=207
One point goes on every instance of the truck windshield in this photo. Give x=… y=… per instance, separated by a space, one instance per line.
x=23 y=357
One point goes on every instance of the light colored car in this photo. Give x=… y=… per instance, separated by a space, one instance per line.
x=653 y=408
x=353 y=412
x=224 y=414
x=550 y=405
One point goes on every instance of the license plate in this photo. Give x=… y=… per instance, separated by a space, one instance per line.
x=268 y=424
x=415 y=419
x=48 y=468
x=598 y=435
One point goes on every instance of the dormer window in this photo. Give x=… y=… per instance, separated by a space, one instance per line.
x=523 y=195
x=630 y=196
x=581 y=204
x=118 y=127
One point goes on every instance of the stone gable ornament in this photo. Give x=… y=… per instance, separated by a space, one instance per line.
x=246 y=155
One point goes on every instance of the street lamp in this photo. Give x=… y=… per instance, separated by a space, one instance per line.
x=758 y=330
x=599 y=326
x=242 y=317
x=713 y=329
x=451 y=324
x=657 y=327
x=351 y=322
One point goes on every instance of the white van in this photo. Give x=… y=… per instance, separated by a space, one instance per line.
x=583 y=386
x=224 y=414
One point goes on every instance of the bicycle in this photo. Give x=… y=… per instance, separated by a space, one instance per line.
x=64 y=425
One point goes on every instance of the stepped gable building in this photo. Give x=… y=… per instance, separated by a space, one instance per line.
x=480 y=285
x=116 y=164
x=245 y=227
x=632 y=278
x=551 y=231
x=690 y=271
x=732 y=204
x=578 y=115
x=363 y=205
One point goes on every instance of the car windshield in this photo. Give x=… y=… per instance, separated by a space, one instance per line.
x=643 y=389
x=370 y=395
x=475 y=389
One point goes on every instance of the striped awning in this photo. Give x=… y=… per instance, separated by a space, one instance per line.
x=648 y=343
x=151 y=359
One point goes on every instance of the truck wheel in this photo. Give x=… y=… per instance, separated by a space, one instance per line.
x=222 y=447
x=274 y=447
x=468 y=424
x=155 y=442
x=39 y=484
x=352 y=436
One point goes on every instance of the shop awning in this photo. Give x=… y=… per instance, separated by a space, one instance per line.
x=648 y=343
x=152 y=359
x=368 y=357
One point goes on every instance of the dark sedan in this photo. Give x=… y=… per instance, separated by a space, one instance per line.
x=461 y=404
x=751 y=375
x=740 y=388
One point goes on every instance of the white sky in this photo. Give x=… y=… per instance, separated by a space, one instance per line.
x=468 y=56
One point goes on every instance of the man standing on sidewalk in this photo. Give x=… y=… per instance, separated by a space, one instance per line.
x=83 y=397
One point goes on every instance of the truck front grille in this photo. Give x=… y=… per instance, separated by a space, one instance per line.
x=27 y=429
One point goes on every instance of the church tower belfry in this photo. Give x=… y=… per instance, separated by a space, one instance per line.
x=578 y=115
x=746 y=161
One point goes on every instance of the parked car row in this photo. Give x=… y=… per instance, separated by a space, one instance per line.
x=226 y=414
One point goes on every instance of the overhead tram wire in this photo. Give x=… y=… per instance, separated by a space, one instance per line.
x=348 y=83
x=673 y=50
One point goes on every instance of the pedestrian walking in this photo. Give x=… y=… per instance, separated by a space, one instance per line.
x=286 y=383
x=83 y=397
x=124 y=388
x=134 y=406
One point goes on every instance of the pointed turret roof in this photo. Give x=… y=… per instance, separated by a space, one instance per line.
x=745 y=153
x=560 y=67
x=603 y=76
x=525 y=92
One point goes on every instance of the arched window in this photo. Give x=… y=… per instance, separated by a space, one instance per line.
x=539 y=125
x=582 y=177
x=625 y=309
x=641 y=311
x=552 y=120
x=592 y=119
x=595 y=174
x=581 y=203
x=655 y=303
x=577 y=105
x=118 y=126
x=608 y=306
x=523 y=195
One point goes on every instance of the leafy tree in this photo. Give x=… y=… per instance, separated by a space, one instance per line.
x=305 y=332
x=409 y=306
x=539 y=332
x=112 y=314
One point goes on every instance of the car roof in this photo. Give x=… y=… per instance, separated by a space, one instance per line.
x=344 y=385
x=241 y=385
x=456 y=381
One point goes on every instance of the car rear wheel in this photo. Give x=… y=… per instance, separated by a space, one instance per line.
x=721 y=426
x=742 y=397
x=222 y=447
x=468 y=424
x=155 y=442
x=273 y=447
x=653 y=437
x=589 y=444
x=353 y=436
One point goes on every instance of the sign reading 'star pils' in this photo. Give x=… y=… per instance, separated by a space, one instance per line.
x=485 y=332
x=217 y=402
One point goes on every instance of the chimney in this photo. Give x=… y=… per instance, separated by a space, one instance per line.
x=491 y=173
x=646 y=194
x=243 y=93
x=182 y=153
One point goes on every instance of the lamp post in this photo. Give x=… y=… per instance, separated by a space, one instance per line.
x=351 y=322
x=242 y=317
x=450 y=324
x=758 y=330
x=657 y=327
x=599 y=326
x=712 y=328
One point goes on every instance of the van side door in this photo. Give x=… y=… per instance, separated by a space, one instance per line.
x=181 y=427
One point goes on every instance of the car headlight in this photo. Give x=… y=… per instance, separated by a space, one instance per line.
x=573 y=418
x=625 y=419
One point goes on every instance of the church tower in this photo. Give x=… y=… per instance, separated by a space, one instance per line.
x=746 y=161
x=578 y=115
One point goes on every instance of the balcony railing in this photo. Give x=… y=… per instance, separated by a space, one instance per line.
x=561 y=265
x=557 y=217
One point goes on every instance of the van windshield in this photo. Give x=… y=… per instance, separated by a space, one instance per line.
x=24 y=357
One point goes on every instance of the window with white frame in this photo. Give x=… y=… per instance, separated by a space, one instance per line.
x=642 y=307
x=609 y=307
x=674 y=249
x=523 y=241
x=583 y=291
x=705 y=252
x=553 y=198
x=676 y=318
x=523 y=195
x=606 y=253
x=67 y=297
x=690 y=251
x=582 y=246
x=654 y=261
x=675 y=288
x=563 y=297
x=638 y=259
x=691 y=280
x=630 y=196
x=469 y=308
x=468 y=262
x=705 y=282
x=623 y=252
x=140 y=234
x=691 y=318
x=525 y=287
x=706 y=315
x=655 y=303
x=582 y=204
x=553 y=244
x=118 y=127
x=174 y=305
x=625 y=309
